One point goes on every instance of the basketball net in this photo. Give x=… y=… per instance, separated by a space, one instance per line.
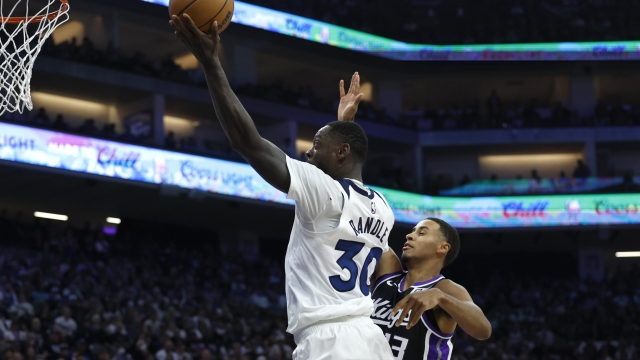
x=21 y=39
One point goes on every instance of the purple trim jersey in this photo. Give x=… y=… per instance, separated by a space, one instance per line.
x=423 y=341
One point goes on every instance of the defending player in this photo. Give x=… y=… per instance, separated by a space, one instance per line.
x=429 y=305
x=340 y=229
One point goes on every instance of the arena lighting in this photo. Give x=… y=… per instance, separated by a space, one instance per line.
x=45 y=215
x=628 y=254
x=112 y=220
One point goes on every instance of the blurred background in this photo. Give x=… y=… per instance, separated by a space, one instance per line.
x=129 y=229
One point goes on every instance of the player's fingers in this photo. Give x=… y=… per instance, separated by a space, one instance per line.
x=189 y=25
x=357 y=82
x=416 y=313
x=181 y=35
x=352 y=84
x=342 y=89
x=215 y=31
x=400 y=316
x=358 y=99
x=400 y=305
x=176 y=23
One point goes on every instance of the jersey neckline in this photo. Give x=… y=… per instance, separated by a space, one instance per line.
x=418 y=284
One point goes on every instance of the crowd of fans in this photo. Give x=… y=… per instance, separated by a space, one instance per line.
x=475 y=22
x=533 y=115
x=278 y=92
x=555 y=317
x=77 y=294
x=493 y=114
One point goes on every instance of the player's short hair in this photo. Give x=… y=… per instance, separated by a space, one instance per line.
x=352 y=134
x=451 y=236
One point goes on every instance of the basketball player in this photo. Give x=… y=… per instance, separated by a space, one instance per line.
x=340 y=230
x=418 y=310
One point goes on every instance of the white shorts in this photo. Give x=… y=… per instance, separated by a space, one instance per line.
x=349 y=338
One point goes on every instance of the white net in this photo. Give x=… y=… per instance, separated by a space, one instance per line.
x=22 y=35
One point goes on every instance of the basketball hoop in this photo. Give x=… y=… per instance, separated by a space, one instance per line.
x=21 y=39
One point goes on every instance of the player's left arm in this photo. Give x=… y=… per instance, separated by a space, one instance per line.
x=459 y=308
x=452 y=299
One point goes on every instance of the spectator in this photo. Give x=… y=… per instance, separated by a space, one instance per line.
x=167 y=353
x=170 y=141
x=581 y=171
x=89 y=127
x=65 y=324
x=41 y=118
x=59 y=123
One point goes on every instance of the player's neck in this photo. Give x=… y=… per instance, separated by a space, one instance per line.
x=427 y=270
x=348 y=172
x=353 y=175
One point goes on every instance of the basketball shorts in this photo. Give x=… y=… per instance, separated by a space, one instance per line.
x=348 y=338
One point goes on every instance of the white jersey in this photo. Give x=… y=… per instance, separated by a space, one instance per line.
x=339 y=234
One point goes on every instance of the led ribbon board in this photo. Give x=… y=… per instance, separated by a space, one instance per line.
x=137 y=163
x=324 y=33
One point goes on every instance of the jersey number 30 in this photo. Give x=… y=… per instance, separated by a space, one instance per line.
x=351 y=249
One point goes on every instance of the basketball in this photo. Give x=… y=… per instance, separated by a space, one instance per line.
x=204 y=12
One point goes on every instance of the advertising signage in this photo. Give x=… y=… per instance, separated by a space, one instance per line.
x=111 y=159
x=324 y=33
x=517 y=211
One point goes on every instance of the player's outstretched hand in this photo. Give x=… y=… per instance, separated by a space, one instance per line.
x=350 y=101
x=417 y=303
x=203 y=46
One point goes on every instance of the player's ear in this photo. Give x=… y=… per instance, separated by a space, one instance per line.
x=343 y=151
x=444 y=247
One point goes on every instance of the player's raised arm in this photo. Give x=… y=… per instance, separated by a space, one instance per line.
x=266 y=158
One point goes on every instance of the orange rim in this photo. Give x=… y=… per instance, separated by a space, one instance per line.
x=37 y=18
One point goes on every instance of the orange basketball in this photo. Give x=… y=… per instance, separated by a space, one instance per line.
x=204 y=12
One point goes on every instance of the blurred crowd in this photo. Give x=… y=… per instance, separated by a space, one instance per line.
x=278 y=92
x=492 y=114
x=556 y=317
x=78 y=294
x=496 y=115
x=475 y=22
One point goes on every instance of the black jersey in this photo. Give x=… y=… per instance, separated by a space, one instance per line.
x=424 y=340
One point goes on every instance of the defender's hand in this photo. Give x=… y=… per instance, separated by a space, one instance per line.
x=203 y=46
x=349 y=101
x=417 y=303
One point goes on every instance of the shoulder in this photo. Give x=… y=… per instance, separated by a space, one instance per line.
x=453 y=289
x=297 y=167
x=305 y=174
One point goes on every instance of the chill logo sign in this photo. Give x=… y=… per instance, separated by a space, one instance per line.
x=525 y=210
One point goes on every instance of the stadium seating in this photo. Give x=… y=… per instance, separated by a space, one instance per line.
x=69 y=293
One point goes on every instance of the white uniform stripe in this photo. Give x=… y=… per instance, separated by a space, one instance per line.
x=450 y=345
